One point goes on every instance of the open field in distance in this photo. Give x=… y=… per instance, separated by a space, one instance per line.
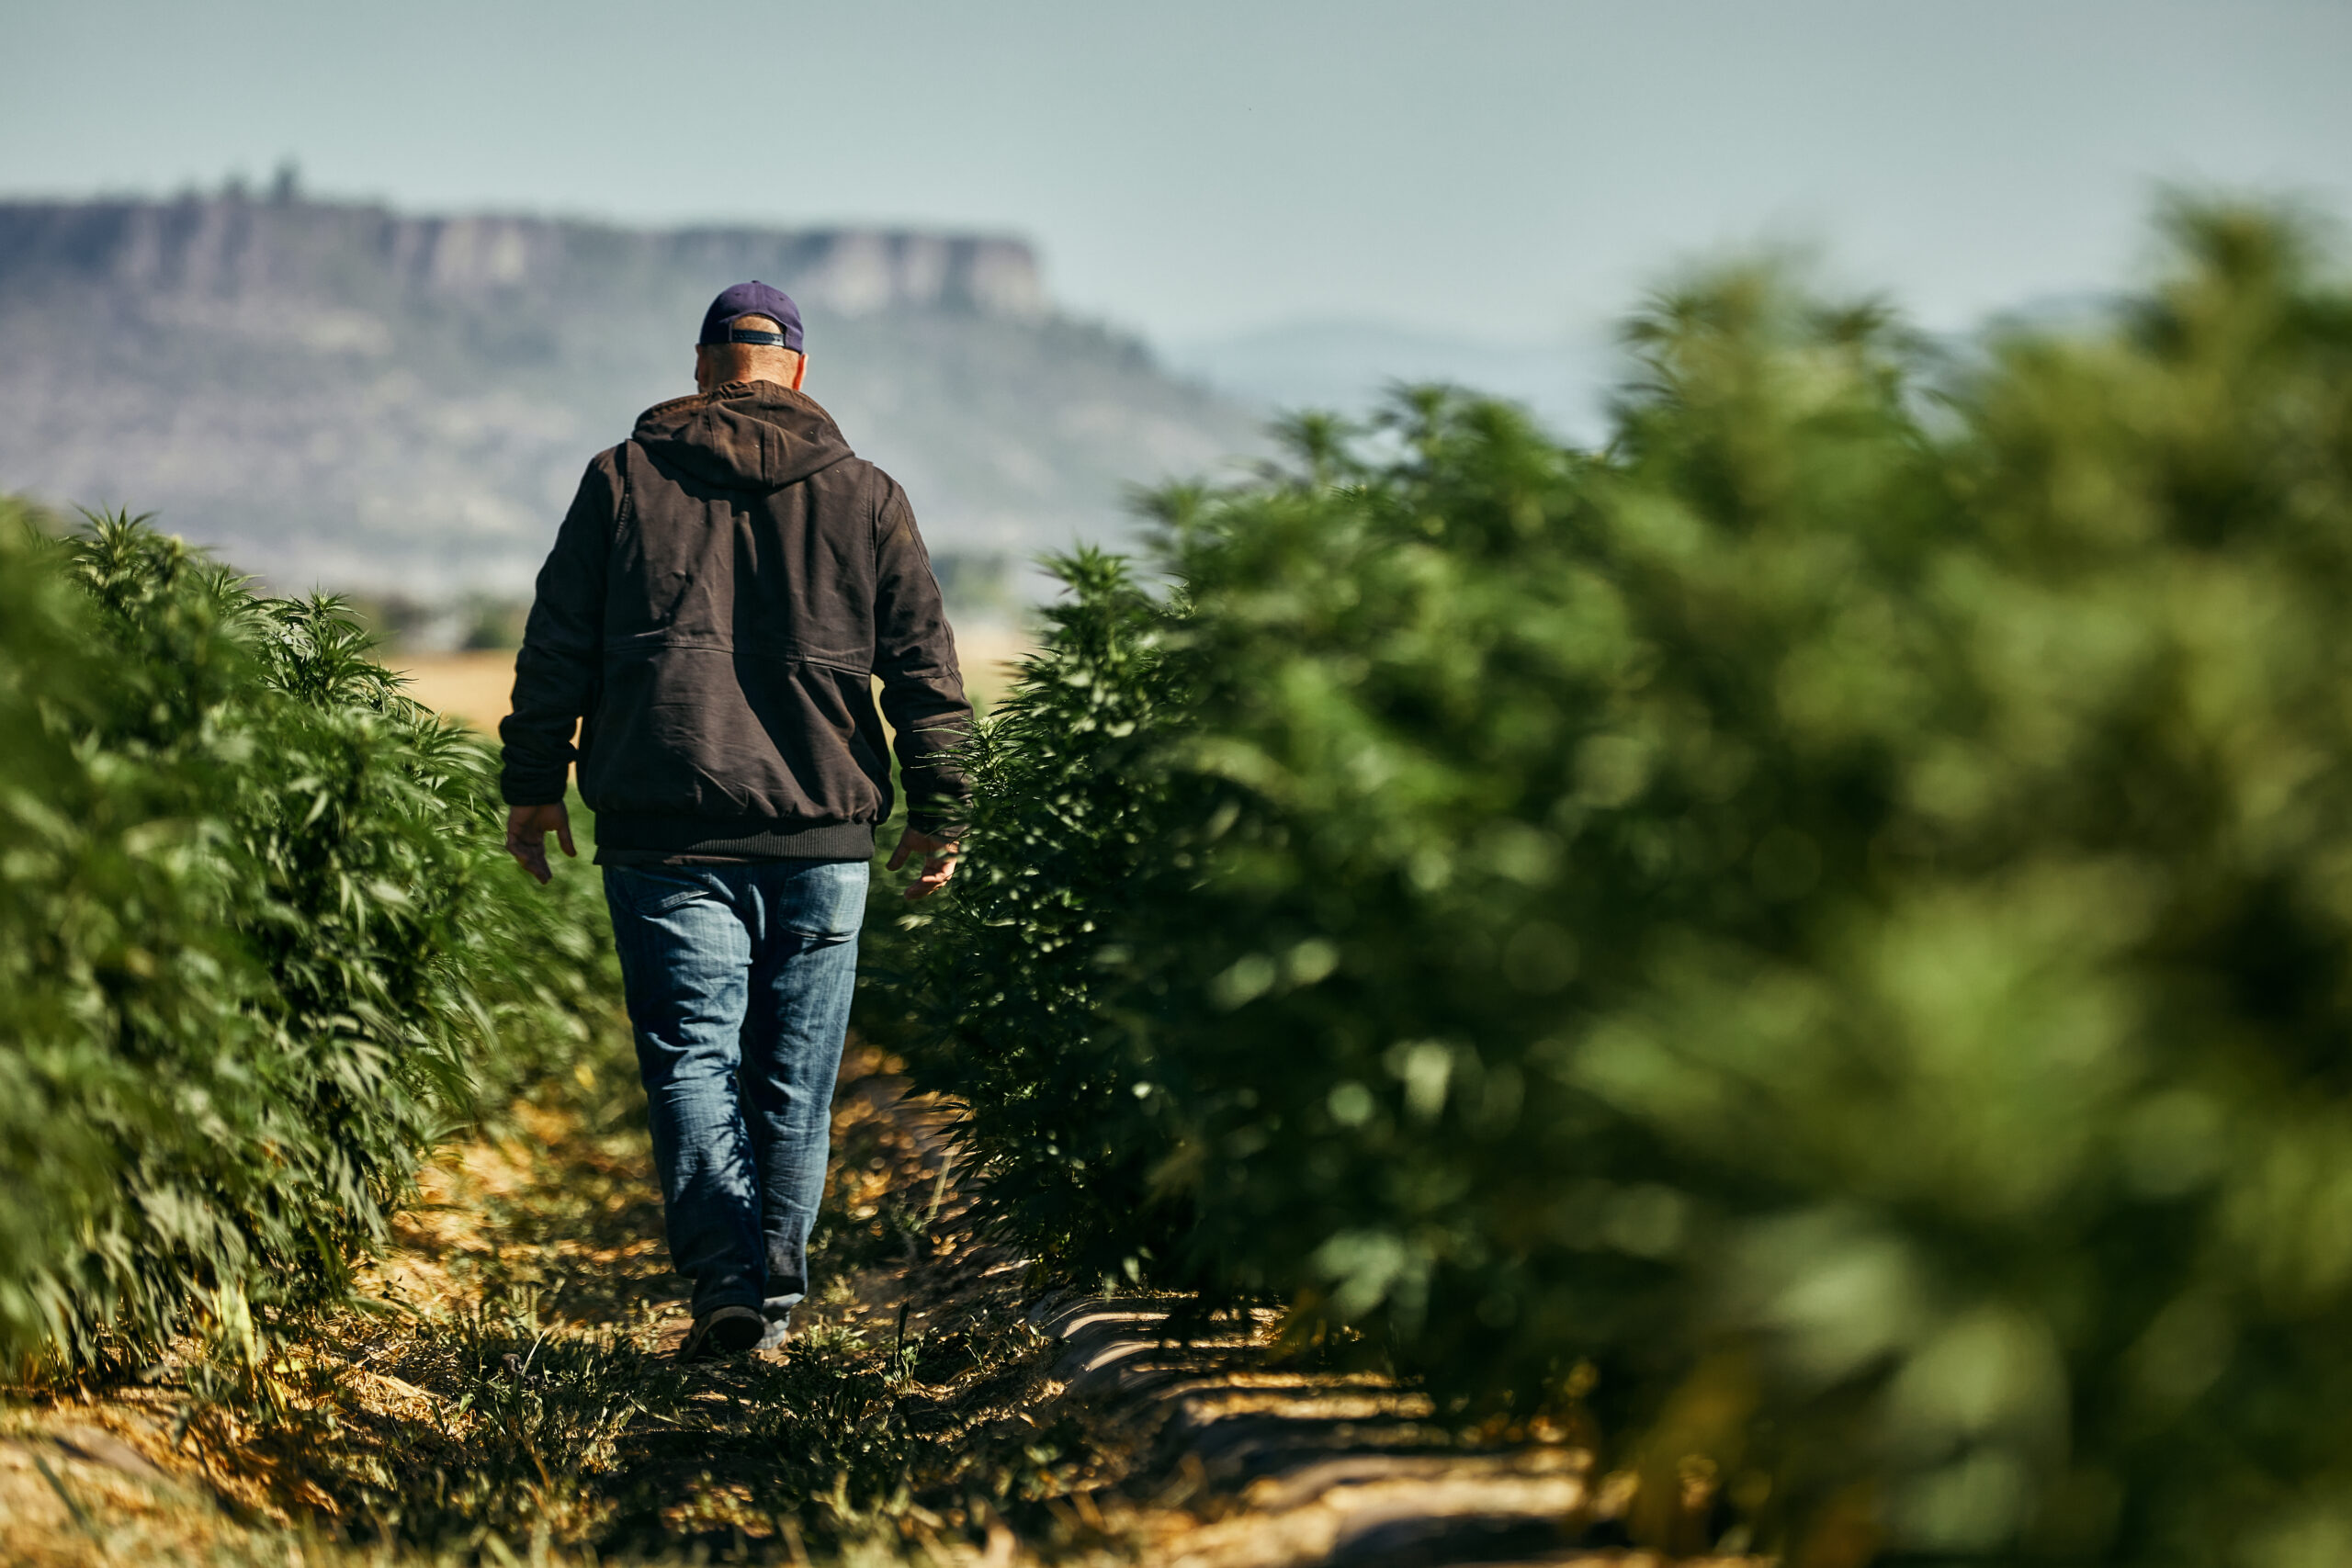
x=472 y=687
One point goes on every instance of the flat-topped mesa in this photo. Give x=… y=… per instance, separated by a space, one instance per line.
x=341 y=393
x=234 y=248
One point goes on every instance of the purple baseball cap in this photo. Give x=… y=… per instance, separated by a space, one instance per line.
x=752 y=299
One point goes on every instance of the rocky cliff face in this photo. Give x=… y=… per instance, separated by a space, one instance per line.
x=341 y=393
x=285 y=250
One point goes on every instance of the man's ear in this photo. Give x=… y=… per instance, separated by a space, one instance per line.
x=799 y=371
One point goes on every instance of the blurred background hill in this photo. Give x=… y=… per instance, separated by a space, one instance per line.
x=342 y=394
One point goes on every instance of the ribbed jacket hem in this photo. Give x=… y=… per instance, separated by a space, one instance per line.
x=750 y=838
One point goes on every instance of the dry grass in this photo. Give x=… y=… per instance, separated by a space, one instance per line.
x=471 y=688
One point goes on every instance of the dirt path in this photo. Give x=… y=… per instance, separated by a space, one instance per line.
x=507 y=1388
x=1241 y=1462
x=507 y=1392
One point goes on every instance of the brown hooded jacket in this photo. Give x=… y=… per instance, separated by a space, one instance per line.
x=724 y=588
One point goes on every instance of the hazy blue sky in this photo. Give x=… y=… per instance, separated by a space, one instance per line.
x=1509 y=170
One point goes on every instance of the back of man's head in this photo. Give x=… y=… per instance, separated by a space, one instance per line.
x=751 y=333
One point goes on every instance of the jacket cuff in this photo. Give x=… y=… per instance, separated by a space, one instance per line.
x=520 y=794
x=934 y=825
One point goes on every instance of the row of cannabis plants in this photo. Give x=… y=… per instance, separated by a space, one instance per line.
x=257 y=948
x=1811 y=942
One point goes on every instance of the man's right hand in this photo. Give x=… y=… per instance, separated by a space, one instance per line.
x=527 y=828
x=938 y=862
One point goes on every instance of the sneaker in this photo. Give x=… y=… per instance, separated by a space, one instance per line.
x=722 y=1332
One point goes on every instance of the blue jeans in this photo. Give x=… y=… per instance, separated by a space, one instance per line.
x=739 y=981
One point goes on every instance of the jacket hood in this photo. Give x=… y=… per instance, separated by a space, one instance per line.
x=745 y=434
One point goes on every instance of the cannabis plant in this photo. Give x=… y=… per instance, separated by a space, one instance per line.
x=260 y=953
x=1815 y=934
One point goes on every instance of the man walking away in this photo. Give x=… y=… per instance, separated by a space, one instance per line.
x=725 y=587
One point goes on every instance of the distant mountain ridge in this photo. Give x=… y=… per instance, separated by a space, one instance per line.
x=283 y=248
x=338 y=392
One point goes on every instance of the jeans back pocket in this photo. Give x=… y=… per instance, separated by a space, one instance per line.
x=644 y=891
x=825 y=899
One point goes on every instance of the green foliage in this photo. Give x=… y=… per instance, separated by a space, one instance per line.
x=1074 y=815
x=258 y=950
x=1829 y=916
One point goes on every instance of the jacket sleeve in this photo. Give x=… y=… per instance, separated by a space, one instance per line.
x=555 y=674
x=922 y=689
